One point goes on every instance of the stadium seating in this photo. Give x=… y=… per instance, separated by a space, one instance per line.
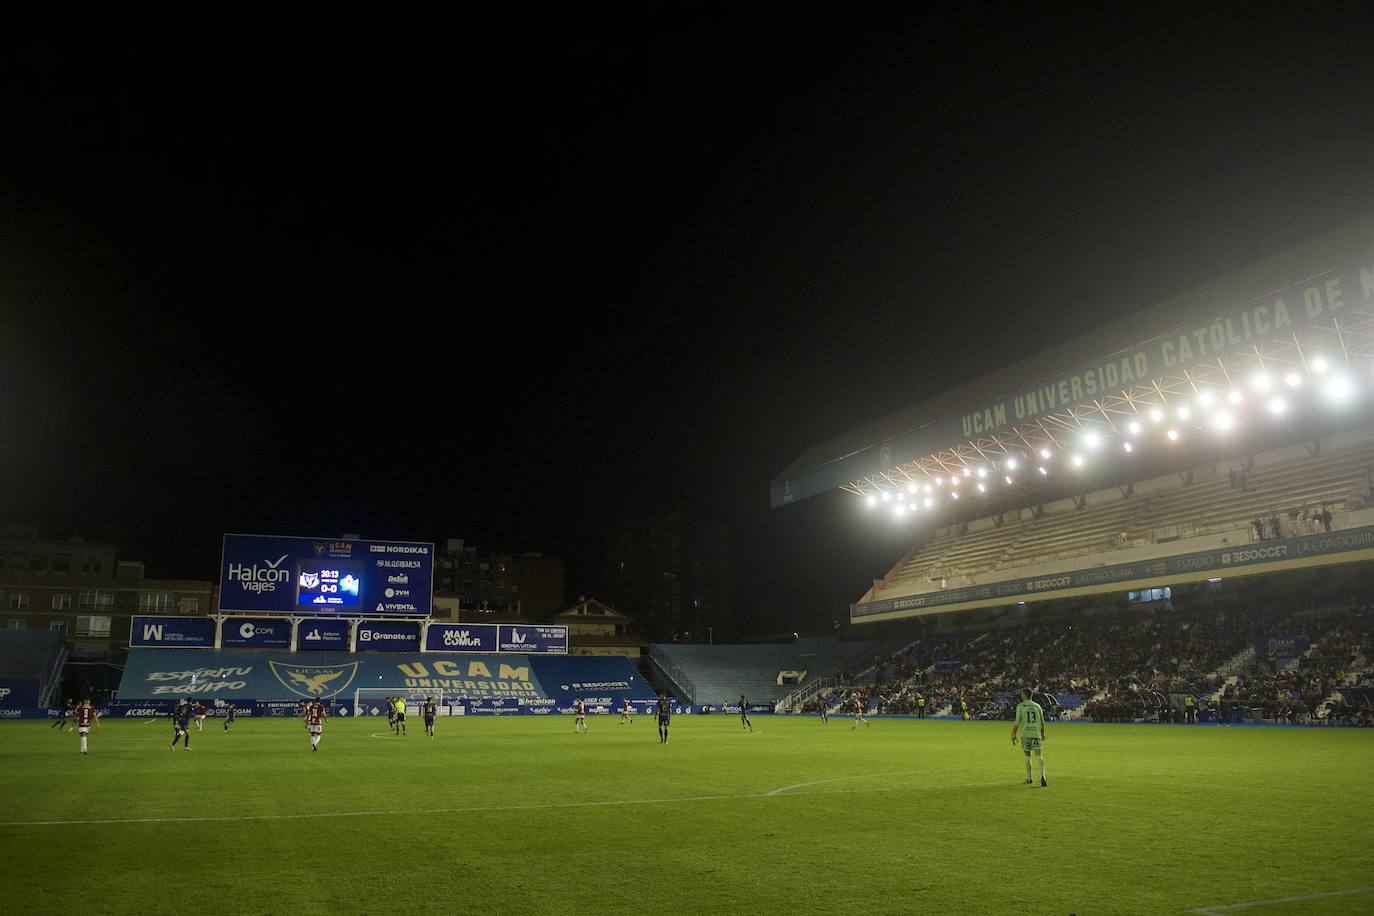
x=1141 y=663
x=720 y=673
x=34 y=655
x=1171 y=510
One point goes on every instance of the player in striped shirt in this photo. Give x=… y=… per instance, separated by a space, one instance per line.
x=580 y=711
x=314 y=723
x=86 y=716
x=1030 y=724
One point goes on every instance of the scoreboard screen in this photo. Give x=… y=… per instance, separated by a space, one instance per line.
x=328 y=584
x=291 y=575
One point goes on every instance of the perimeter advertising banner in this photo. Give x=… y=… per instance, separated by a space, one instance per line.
x=545 y=640
x=325 y=634
x=172 y=632
x=18 y=693
x=461 y=637
x=256 y=633
x=291 y=575
x=388 y=636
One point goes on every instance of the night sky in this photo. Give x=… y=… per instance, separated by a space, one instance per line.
x=517 y=279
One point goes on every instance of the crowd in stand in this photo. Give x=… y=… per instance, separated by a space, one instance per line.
x=1161 y=664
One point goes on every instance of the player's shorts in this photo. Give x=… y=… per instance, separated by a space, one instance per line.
x=429 y=721
x=581 y=716
x=316 y=729
x=664 y=720
x=83 y=730
x=1030 y=744
x=400 y=717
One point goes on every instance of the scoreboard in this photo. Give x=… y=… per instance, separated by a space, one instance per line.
x=294 y=575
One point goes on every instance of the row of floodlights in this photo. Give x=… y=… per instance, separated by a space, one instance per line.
x=1211 y=409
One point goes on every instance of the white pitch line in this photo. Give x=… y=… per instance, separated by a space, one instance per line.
x=818 y=782
x=1227 y=907
x=477 y=809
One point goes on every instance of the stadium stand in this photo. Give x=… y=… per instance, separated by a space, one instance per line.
x=34 y=655
x=1142 y=664
x=1160 y=512
x=720 y=673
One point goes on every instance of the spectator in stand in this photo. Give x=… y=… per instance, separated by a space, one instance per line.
x=1274 y=526
x=1232 y=475
x=1259 y=527
x=1326 y=518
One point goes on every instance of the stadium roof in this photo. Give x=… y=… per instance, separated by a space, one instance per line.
x=1316 y=299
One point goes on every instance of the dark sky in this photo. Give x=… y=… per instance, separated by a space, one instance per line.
x=514 y=279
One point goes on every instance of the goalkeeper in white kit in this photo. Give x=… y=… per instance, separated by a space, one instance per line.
x=1030 y=723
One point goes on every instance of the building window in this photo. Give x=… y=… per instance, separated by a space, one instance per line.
x=61 y=602
x=60 y=625
x=94 y=598
x=62 y=563
x=14 y=623
x=190 y=605
x=155 y=601
x=19 y=601
x=94 y=625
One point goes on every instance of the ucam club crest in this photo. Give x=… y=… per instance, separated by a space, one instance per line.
x=314 y=681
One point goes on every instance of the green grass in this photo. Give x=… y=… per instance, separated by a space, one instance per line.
x=505 y=816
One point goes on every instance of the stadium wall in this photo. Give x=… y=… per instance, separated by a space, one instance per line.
x=247 y=676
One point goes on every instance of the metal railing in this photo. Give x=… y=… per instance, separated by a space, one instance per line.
x=675 y=674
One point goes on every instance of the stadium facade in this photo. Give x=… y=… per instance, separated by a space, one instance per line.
x=1223 y=433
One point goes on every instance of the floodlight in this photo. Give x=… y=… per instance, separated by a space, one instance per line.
x=1184 y=413
x=872 y=500
x=1338 y=388
x=982 y=472
x=1045 y=453
x=1008 y=478
x=1319 y=365
x=1010 y=464
x=1077 y=461
x=1156 y=415
x=1293 y=379
x=1277 y=406
x=886 y=496
x=1205 y=398
x=1173 y=435
x=1223 y=422
x=982 y=488
x=1127 y=446
x=929 y=502
x=927 y=488
x=1261 y=381
x=1234 y=396
x=1092 y=440
x=911 y=488
x=955 y=494
x=1134 y=428
x=1042 y=470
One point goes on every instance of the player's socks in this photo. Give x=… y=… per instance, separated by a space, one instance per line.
x=83 y=744
x=1028 y=768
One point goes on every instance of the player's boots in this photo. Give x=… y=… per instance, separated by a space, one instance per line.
x=1029 y=781
x=1043 y=784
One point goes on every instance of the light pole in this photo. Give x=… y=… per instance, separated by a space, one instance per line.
x=710 y=636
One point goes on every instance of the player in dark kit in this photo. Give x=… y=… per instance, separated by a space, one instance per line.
x=665 y=717
x=825 y=713
x=64 y=715
x=181 y=724
x=744 y=713
x=429 y=716
x=229 y=716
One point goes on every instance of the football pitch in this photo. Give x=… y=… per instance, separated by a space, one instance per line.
x=518 y=816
